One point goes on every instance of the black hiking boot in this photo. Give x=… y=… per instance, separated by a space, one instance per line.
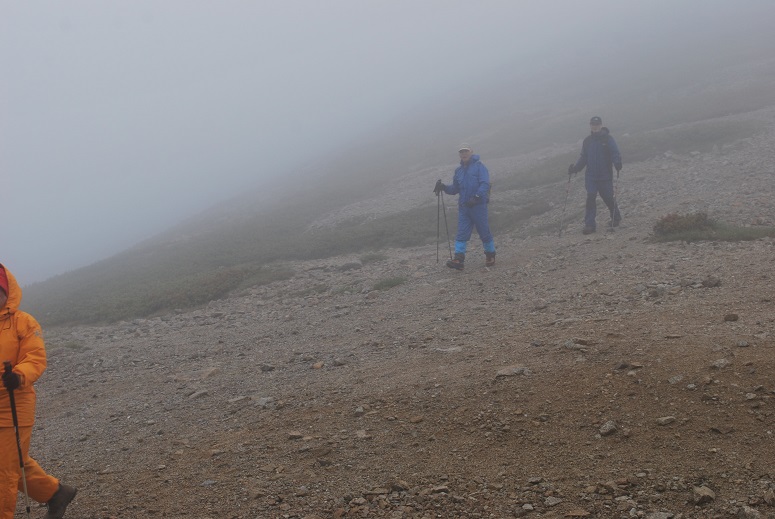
x=489 y=259
x=58 y=503
x=588 y=230
x=457 y=262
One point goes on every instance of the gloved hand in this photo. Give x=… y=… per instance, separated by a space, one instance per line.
x=438 y=188
x=571 y=169
x=11 y=380
x=473 y=201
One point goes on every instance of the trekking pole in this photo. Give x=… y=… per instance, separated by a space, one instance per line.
x=15 y=418
x=446 y=226
x=438 y=224
x=562 y=216
x=616 y=207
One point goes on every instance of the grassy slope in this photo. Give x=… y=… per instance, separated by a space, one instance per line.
x=212 y=254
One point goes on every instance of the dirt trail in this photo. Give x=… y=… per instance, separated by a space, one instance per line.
x=583 y=376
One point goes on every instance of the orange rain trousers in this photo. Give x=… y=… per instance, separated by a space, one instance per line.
x=40 y=486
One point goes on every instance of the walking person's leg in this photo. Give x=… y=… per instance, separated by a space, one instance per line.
x=465 y=227
x=607 y=194
x=482 y=224
x=41 y=486
x=590 y=213
x=10 y=476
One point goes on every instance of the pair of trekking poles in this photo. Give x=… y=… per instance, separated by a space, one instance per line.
x=565 y=205
x=439 y=206
x=8 y=369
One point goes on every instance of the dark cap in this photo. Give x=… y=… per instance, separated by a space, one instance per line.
x=595 y=121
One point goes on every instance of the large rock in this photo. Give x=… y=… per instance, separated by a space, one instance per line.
x=512 y=371
x=703 y=495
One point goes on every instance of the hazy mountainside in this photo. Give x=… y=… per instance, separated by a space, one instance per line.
x=600 y=376
x=526 y=132
x=517 y=109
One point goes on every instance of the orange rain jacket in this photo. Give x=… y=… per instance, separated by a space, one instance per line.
x=21 y=343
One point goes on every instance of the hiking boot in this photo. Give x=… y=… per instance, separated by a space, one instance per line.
x=588 y=230
x=58 y=503
x=489 y=259
x=457 y=262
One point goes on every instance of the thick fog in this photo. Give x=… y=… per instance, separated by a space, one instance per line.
x=119 y=119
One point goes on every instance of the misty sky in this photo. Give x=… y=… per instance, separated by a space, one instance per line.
x=119 y=119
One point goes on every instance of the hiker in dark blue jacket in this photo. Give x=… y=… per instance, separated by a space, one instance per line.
x=599 y=154
x=472 y=183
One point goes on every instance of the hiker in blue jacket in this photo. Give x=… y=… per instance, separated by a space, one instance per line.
x=472 y=183
x=599 y=154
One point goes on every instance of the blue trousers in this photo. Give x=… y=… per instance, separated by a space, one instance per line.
x=467 y=219
x=606 y=189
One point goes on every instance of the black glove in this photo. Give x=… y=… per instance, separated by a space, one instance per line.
x=473 y=201
x=438 y=188
x=571 y=169
x=11 y=380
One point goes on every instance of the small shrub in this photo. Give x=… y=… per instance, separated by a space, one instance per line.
x=674 y=223
x=388 y=283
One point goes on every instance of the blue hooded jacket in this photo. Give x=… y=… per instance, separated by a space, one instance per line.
x=470 y=181
x=598 y=154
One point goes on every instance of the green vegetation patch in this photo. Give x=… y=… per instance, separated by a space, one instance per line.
x=120 y=298
x=698 y=227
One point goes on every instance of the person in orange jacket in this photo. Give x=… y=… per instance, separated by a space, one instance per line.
x=21 y=344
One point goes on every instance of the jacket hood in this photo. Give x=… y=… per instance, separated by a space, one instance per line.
x=14 y=294
x=474 y=158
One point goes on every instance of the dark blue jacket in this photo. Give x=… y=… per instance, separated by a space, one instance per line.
x=599 y=154
x=470 y=181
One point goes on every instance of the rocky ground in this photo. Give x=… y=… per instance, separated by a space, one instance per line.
x=583 y=376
